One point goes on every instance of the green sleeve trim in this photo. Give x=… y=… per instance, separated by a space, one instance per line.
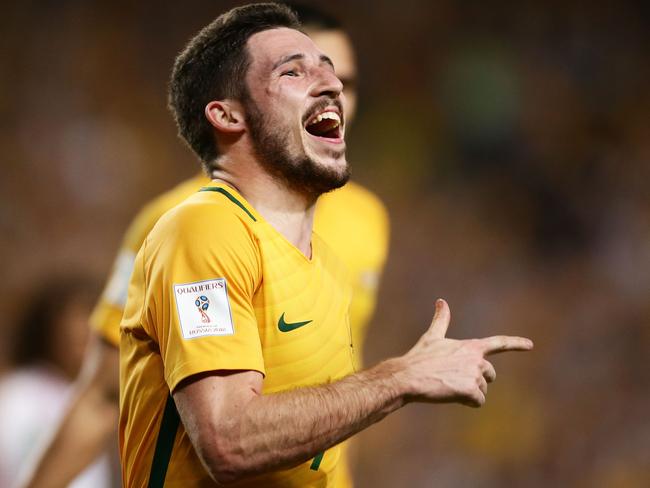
x=164 y=445
x=231 y=198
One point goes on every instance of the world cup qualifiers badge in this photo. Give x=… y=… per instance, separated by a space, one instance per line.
x=202 y=304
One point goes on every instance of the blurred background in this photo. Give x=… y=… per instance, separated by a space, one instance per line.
x=510 y=142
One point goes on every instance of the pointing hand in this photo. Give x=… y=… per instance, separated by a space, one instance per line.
x=444 y=370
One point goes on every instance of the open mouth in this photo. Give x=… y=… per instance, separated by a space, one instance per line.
x=325 y=124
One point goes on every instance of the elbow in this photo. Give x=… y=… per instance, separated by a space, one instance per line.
x=225 y=462
x=226 y=474
x=225 y=478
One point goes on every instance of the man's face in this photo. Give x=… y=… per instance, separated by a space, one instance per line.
x=337 y=45
x=295 y=111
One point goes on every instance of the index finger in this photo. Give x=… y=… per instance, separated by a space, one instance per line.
x=497 y=344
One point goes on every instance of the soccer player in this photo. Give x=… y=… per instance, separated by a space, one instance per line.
x=236 y=360
x=351 y=220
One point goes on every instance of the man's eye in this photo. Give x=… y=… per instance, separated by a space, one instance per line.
x=290 y=73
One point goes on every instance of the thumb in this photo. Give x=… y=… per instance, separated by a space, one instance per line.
x=441 y=319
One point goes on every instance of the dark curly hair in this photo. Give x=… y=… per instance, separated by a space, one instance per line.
x=213 y=66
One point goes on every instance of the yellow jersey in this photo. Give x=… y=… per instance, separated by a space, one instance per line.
x=107 y=314
x=352 y=221
x=216 y=287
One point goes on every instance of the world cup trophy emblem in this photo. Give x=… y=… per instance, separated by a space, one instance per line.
x=202 y=304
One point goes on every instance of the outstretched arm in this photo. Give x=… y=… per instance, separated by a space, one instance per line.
x=87 y=425
x=238 y=432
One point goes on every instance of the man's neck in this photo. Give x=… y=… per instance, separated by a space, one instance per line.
x=288 y=212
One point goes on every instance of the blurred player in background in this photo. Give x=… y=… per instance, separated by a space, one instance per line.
x=46 y=356
x=352 y=221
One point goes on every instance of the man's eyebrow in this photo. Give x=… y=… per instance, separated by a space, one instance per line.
x=326 y=60
x=287 y=59
x=293 y=57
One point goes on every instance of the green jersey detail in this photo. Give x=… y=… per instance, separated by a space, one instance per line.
x=231 y=198
x=289 y=326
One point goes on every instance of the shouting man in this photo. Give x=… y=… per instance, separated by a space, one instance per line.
x=236 y=358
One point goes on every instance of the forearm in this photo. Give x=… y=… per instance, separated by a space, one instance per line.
x=238 y=432
x=290 y=427
x=281 y=430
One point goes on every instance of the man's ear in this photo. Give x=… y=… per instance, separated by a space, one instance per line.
x=226 y=115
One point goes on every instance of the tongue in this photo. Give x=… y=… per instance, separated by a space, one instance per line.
x=324 y=128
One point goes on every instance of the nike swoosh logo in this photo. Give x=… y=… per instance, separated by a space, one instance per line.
x=289 y=326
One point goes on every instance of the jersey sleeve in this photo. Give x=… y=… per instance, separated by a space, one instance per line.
x=107 y=314
x=201 y=271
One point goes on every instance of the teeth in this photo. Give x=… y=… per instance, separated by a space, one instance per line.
x=326 y=115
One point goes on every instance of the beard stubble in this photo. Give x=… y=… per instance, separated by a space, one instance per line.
x=299 y=173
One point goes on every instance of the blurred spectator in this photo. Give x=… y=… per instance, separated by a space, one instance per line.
x=46 y=355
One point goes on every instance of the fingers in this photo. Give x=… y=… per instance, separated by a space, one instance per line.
x=483 y=386
x=441 y=319
x=477 y=397
x=497 y=344
x=476 y=400
x=489 y=372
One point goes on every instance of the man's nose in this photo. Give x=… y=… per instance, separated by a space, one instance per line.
x=327 y=84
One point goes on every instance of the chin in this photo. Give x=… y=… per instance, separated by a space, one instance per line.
x=334 y=175
x=332 y=159
x=318 y=175
x=337 y=165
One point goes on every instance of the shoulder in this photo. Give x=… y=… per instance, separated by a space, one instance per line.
x=207 y=236
x=206 y=222
x=149 y=214
x=209 y=211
